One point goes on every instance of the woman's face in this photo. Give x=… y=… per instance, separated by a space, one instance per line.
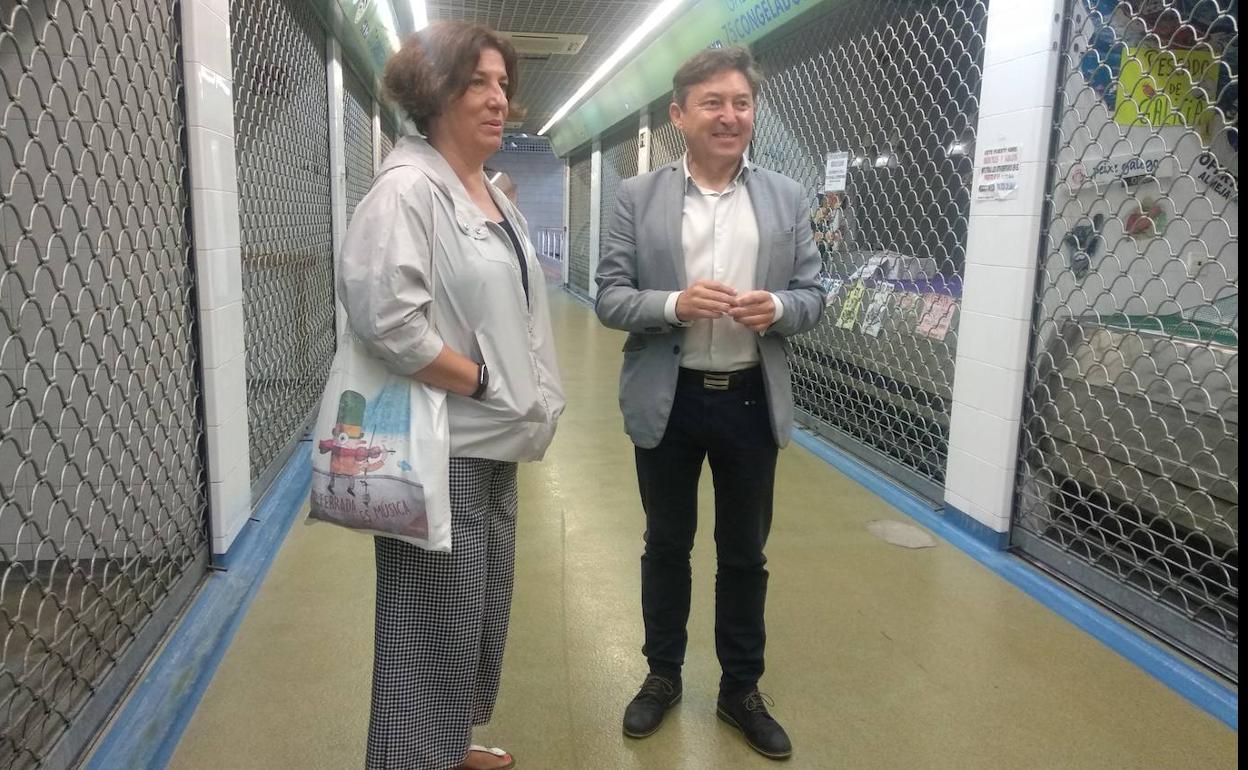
x=474 y=120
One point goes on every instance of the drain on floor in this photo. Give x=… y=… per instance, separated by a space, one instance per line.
x=900 y=533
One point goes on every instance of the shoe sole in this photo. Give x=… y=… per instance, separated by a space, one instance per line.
x=726 y=717
x=670 y=706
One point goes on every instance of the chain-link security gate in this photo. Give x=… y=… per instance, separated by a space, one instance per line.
x=894 y=85
x=1130 y=467
x=357 y=139
x=578 y=224
x=619 y=162
x=281 y=121
x=102 y=489
x=667 y=144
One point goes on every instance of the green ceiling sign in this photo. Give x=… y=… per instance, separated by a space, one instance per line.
x=369 y=19
x=360 y=27
x=706 y=24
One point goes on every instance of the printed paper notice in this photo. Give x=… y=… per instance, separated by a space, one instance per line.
x=852 y=307
x=835 y=171
x=877 y=311
x=937 y=315
x=999 y=173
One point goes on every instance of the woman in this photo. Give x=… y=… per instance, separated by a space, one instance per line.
x=439 y=280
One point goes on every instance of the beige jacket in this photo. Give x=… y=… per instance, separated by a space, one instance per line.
x=391 y=289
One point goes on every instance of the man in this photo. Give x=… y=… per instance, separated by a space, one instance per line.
x=709 y=265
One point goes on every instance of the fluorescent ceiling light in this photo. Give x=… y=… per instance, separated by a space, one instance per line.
x=661 y=12
x=420 y=18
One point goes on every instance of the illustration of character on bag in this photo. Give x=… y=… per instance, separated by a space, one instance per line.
x=351 y=454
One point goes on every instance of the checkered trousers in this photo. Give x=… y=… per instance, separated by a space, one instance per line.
x=442 y=624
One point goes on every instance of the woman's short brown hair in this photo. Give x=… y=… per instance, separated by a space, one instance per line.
x=707 y=64
x=435 y=66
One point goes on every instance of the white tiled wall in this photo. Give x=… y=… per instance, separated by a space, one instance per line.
x=218 y=263
x=1002 y=251
x=595 y=214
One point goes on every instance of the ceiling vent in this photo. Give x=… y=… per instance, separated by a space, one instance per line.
x=545 y=44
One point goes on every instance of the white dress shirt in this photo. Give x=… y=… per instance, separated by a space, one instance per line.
x=719 y=237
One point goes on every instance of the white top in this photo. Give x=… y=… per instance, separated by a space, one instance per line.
x=422 y=267
x=719 y=237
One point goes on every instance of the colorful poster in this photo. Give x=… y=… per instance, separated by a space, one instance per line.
x=877 y=311
x=908 y=309
x=831 y=289
x=1167 y=87
x=938 y=311
x=852 y=307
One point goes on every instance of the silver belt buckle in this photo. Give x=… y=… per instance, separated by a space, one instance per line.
x=715 y=381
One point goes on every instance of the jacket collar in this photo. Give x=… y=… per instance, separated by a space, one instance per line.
x=416 y=151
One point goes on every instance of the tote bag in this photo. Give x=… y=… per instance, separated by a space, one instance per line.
x=380 y=455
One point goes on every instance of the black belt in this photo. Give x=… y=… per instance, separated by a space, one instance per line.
x=721 y=380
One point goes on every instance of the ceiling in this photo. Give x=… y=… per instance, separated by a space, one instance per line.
x=547 y=84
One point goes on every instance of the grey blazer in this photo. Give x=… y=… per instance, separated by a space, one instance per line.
x=643 y=261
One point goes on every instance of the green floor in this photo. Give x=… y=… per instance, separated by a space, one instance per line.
x=879 y=656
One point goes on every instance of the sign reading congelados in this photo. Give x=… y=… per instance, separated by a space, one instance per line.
x=750 y=16
x=648 y=74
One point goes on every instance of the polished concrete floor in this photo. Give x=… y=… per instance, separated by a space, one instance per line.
x=879 y=656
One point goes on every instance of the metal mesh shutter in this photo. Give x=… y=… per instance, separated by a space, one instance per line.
x=357 y=139
x=578 y=224
x=619 y=162
x=102 y=490
x=667 y=144
x=1130 y=457
x=281 y=119
x=895 y=84
x=388 y=136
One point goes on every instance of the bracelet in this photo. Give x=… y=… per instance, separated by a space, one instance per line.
x=483 y=382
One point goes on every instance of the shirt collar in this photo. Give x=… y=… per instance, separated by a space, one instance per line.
x=741 y=176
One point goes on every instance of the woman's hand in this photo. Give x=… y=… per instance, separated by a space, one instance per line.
x=451 y=372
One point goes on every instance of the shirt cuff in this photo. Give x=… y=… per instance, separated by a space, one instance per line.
x=779 y=308
x=669 y=310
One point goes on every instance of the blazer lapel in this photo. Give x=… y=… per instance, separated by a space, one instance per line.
x=674 y=193
x=763 y=205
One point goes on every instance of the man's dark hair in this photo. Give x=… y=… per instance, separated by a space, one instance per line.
x=709 y=63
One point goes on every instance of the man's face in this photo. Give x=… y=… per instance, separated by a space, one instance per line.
x=717 y=118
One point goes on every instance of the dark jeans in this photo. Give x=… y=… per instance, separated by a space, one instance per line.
x=733 y=430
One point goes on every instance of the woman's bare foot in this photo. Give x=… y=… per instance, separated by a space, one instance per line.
x=481 y=758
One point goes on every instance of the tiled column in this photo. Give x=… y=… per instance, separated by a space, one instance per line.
x=595 y=214
x=643 y=142
x=1016 y=108
x=566 y=261
x=377 y=159
x=217 y=255
x=337 y=164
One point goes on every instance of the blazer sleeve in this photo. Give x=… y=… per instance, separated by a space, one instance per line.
x=384 y=274
x=620 y=303
x=802 y=298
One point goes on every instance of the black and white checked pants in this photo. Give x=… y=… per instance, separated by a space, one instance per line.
x=441 y=626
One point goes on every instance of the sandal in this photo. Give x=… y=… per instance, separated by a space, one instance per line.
x=492 y=751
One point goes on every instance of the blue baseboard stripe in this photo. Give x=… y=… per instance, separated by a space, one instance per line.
x=1198 y=687
x=147 y=730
